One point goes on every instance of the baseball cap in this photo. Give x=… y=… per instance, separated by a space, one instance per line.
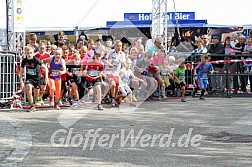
x=215 y=37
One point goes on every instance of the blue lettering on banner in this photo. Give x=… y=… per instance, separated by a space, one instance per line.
x=170 y=16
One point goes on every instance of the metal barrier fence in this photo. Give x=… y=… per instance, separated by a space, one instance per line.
x=9 y=80
x=233 y=72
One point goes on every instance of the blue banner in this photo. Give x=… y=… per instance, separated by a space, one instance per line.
x=170 y=15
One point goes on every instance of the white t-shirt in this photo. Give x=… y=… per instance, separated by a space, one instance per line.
x=125 y=76
x=116 y=60
x=202 y=50
x=233 y=43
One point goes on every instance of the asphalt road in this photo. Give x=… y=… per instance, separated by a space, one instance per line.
x=216 y=132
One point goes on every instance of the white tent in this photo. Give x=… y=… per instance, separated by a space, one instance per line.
x=84 y=13
x=60 y=14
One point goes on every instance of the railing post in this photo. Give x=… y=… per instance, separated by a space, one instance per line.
x=228 y=79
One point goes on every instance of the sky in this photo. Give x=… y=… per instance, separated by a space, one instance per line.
x=87 y=13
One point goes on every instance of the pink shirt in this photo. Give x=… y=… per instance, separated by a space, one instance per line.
x=86 y=58
x=158 y=60
x=90 y=52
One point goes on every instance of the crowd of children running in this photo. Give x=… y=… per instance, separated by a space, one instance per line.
x=66 y=73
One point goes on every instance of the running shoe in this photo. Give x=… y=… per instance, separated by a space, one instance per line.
x=41 y=100
x=60 y=102
x=56 y=106
x=31 y=109
x=100 y=107
x=113 y=103
x=71 y=102
x=132 y=104
x=151 y=97
x=37 y=103
x=78 y=103
x=201 y=98
x=183 y=100
x=134 y=98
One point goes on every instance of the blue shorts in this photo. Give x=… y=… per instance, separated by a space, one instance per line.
x=203 y=83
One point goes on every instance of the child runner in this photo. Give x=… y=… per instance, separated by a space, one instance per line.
x=202 y=71
x=165 y=72
x=142 y=73
x=67 y=58
x=125 y=75
x=154 y=71
x=41 y=54
x=94 y=79
x=74 y=79
x=114 y=60
x=32 y=79
x=179 y=76
x=57 y=68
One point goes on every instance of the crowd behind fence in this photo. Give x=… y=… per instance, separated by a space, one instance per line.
x=241 y=73
x=231 y=61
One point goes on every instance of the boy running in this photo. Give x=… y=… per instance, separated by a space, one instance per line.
x=125 y=76
x=41 y=55
x=179 y=75
x=202 y=71
x=114 y=61
x=73 y=77
x=32 y=79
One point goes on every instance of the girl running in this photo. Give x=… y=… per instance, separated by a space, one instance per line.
x=57 y=68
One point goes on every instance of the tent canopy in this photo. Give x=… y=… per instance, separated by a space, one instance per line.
x=148 y=24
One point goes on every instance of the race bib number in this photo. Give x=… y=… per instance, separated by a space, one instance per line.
x=93 y=73
x=204 y=75
x=125 y=78
x=75 y=71
x=181 y=76
x=55 y=73
x=31 y=71
x=164 y=73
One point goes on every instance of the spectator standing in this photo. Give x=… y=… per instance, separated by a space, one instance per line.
x=215 y=49
x=239 y=47
x=206 y=43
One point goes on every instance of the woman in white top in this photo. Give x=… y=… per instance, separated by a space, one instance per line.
x=201 y=49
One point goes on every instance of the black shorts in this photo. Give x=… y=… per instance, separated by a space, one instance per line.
x=105 y=79
x=42 y=81
x=179 y=86
x=89 y=84
x=63 y=85
x=32 y=82
x=72 y=80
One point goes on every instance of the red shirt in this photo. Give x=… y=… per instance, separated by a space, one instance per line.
x=42 y=57
x=93 y=70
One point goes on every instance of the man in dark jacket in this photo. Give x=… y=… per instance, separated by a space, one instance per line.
x=216 y=48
